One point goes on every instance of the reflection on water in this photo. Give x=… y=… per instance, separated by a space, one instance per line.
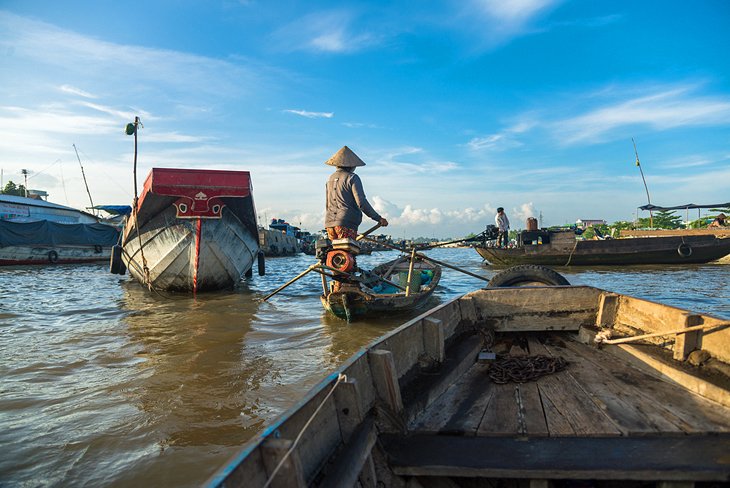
x=106 y=383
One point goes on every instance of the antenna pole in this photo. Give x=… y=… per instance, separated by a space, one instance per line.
x=84 y=176
x=648 y=199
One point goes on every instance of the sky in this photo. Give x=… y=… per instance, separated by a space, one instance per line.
x=456 y=106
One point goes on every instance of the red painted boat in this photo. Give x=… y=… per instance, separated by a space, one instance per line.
x=194 y=230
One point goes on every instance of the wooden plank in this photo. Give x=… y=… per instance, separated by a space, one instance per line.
x=666 y=371
x=423 y=390
x=433 y=338
x=406 y=347
x=349 y=464
x=649 y=458
x=502 y=417
x=531 y=410
x=461 y=408
x=569 y=410
x=467 y=309
x=607 y=310
x=657 y=402
x=686 y=343
x=383 y=370
x=349 y=411
x=290 y=472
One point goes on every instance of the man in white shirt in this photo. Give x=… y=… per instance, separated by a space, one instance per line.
x=503 y=225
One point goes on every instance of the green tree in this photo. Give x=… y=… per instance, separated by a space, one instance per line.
x=663 y=219
x=13 y=189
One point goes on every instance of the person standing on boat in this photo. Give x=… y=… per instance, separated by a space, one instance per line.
x=503 y=225
x=719 y=221
x=346 y=200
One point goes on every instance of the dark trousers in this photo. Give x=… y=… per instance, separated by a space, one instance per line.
x=503 y=238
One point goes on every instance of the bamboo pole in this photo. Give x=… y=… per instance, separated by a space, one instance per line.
x=300 y=275
x=410 y=271
x=660 y=334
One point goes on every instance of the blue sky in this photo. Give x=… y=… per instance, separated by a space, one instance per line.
x=457 y=107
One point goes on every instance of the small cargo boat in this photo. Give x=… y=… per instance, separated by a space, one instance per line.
x=561 y=248
x=194 y=230
x=385 y=289
x=508 y=387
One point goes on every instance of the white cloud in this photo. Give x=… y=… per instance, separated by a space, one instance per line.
x=500 y=21
x=76 y=91
x=311 y=115
x=661 y=109
x=505 y=139
x=325 y=31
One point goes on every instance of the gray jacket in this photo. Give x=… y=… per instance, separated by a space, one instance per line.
x=346 y=201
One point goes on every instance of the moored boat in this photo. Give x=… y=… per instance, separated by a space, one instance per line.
x=194 y=230
x=561 y=248
x=505 y=386
x=385 y=289
x=35 y=231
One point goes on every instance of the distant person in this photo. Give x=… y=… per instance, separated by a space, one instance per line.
x=346 y=200
x=503 y=226
x=719 y=221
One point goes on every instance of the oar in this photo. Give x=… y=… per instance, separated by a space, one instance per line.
x=311 y=268
x=440 y=263
x=365 y=234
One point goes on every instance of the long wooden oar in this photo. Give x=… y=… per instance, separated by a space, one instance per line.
x=365 y=234
x=440 y=263
x=300 y=275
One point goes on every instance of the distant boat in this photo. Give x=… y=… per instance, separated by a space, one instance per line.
x=383 y=290
x=561 y=248
x=280 y=239
x=194 y=230
x=35 y=231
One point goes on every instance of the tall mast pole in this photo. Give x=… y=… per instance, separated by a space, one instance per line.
x=648 y=199
x=85 y=183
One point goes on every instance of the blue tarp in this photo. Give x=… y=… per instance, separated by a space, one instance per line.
x=115 y=209
x=47 y=233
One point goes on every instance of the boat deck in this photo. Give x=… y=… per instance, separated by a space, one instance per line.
x=596 y=395
x=598 y=418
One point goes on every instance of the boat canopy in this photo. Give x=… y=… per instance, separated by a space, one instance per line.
x=115 y=209
x=686 y=206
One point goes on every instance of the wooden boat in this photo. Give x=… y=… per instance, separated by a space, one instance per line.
x=429 y=404
x=194 y=230
x=34 y=231
x=374 y=295
x=545 y=247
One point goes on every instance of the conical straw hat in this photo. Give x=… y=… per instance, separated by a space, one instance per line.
x=345 y=158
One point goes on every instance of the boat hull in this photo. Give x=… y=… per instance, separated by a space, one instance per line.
x=642 y=250
x=49 y=255
x=191 y=254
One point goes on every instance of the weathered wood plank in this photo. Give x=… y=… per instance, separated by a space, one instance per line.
x=385 y=379
x=290 y=472
x=461 y=408
x=686 y=343
x=349 y=464
x=607 y=310
x=569 y=410
x=502 y=416
x=532 y=414
x=650 y=458
x=657 y=402
x=433 y=338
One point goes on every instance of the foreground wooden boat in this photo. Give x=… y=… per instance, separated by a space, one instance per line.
x=563 y=249
x=428 y=405
x=195 y=230
x=375 y=296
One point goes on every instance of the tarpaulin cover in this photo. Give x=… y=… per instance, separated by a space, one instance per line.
x=115 y=209
x=47 y=233
x=682 y=207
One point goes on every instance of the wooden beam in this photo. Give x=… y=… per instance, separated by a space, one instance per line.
x=349 y=464
x=686 y=343
x=291 y=473
x=433 y=338
x=607 y=310
x=349 y=412
x=385 y=379
x=648 y=458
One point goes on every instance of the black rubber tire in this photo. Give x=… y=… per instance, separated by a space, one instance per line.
x=115 y=261
x=684 y=250
x=262 y=263
x=527 y=275
x=52 y=257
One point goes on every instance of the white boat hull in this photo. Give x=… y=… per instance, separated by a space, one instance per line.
x=41 y=255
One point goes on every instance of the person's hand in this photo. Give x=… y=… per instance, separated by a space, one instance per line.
x=383 y=222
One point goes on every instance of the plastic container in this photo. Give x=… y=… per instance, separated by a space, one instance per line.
x=531 y=223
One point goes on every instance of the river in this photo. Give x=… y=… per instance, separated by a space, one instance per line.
x=105 y=383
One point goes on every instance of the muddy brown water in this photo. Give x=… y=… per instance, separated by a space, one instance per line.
x=104 y=383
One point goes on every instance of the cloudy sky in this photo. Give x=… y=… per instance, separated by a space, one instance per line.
x=456 y=106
